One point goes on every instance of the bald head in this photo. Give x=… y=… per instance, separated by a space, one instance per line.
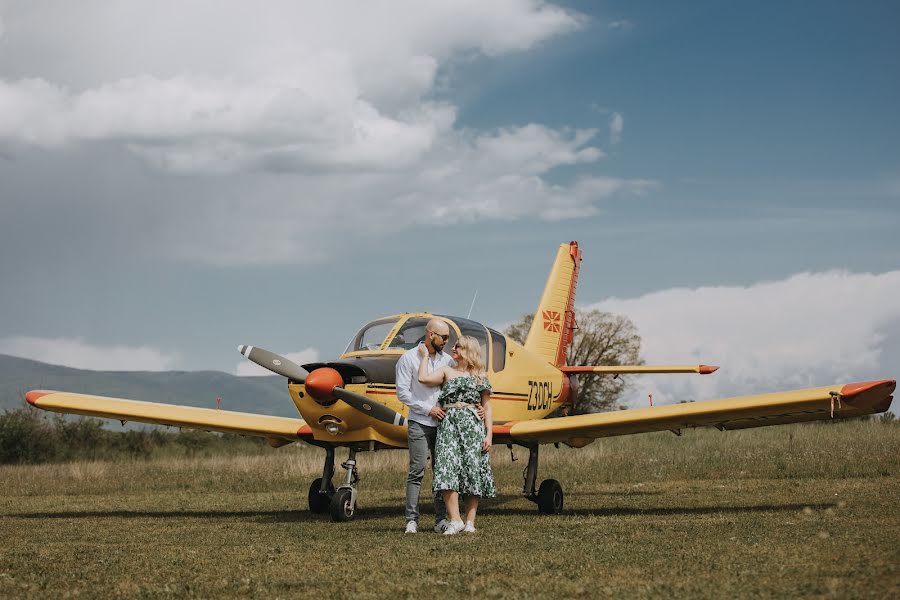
x=437 y=332
x=438 y=326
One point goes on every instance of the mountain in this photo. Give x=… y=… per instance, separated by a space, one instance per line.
x=264 y=395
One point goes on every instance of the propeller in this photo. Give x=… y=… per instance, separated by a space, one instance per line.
x=275 y=363
x=322 y=384
x=376 y=410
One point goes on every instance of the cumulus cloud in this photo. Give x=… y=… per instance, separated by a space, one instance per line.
x=273 y=135
x=616 y=124
x=307 y=86
x=246 y=368
x=472 y=176
x=76 y=353
x=811 y=329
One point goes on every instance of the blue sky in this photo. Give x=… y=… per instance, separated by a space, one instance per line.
x=171 y=187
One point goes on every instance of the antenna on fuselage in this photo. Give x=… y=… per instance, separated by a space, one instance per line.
x=471 y=306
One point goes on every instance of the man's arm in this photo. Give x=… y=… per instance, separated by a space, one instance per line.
x=404 y=375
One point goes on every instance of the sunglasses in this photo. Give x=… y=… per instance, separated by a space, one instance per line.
x=444 y=337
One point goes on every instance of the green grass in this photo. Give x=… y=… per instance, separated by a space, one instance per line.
x=787 y=511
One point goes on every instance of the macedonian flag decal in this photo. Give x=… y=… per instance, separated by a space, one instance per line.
x=551 y=320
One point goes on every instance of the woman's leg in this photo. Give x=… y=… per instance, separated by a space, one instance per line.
x=471 y=508
x=451 y=500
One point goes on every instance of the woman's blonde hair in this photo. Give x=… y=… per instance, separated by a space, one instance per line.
x=470 y=349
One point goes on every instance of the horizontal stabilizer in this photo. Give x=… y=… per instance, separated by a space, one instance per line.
x=638 y=369
x=207 y=419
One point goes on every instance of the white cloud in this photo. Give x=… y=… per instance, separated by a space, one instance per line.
x=616 y=124
x=294 y=87
x=79 y=354
x=472 y=176
x=246 y=368
x=811 y=329
x=288 y=134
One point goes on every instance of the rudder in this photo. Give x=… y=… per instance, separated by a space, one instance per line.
x=554 y=322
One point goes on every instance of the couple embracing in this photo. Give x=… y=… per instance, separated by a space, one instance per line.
x=449 y=416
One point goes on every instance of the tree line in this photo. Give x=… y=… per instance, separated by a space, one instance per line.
x=29 y=436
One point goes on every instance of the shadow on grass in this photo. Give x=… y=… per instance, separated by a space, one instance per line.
x=504 y=505
x=620 y=511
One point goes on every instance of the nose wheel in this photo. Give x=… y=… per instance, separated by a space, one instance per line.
x=343 y=504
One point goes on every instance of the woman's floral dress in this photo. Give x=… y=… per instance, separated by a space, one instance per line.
x=459 y=463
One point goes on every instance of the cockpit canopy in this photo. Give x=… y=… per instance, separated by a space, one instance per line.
x=404 y=332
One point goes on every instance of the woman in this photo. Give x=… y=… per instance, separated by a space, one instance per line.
x=462 y=461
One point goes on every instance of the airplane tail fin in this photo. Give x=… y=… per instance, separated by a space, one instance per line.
x=554 y=322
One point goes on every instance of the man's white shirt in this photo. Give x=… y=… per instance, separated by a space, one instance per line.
x=418 y=397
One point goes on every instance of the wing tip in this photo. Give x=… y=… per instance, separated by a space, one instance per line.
x=707 y=369
x=34 y=395
x=854 y=389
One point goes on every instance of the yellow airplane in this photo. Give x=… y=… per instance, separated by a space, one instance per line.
x=351 y=402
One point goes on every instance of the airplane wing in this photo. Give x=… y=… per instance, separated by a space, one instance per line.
x=824 y=403
x=639 y=369
x=277 y=430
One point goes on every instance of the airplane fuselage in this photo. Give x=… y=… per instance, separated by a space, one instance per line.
x=524 y=386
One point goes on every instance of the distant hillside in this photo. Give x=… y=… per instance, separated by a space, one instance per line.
x=264 y=395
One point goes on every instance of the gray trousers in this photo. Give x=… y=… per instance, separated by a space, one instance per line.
x=421 y=443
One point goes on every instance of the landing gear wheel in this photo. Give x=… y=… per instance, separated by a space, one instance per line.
x=550 y=497
x=342 y=508
x=319 y=502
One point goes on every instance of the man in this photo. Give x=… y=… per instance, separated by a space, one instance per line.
x=425 y=414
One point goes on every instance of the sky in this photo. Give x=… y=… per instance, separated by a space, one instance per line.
x=178 y=179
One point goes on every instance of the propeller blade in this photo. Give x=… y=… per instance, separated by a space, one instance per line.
x=367 y=406
x=275 y=363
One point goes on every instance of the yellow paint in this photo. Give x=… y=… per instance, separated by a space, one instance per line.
x=549 y=325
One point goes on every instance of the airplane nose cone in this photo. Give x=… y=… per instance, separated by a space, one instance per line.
x=320 y=383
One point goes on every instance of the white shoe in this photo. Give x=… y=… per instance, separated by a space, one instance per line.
x=412 y=527
x=470 y=527
x=454 y=527
x=441 y=525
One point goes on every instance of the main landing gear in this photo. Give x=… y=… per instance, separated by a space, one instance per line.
x=549 y=496
x=341 y=503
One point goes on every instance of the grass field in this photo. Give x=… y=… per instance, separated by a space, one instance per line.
x=801 y=511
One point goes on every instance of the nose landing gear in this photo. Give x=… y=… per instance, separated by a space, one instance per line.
x=343 y=504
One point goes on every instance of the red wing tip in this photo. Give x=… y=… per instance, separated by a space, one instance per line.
x=707 y=369
x=852 y=389
x=32 y=396
x=304 y=431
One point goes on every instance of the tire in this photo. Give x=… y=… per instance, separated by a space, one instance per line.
x=318 y=502
x=342 y=508
x=550 y=497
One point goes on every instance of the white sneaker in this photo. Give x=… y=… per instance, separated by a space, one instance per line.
x=454 y=527
x=412 y=527
x=470 y=527
x=441 y=525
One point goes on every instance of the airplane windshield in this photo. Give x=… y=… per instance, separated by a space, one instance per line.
x=371 y=336
x=412 y=332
